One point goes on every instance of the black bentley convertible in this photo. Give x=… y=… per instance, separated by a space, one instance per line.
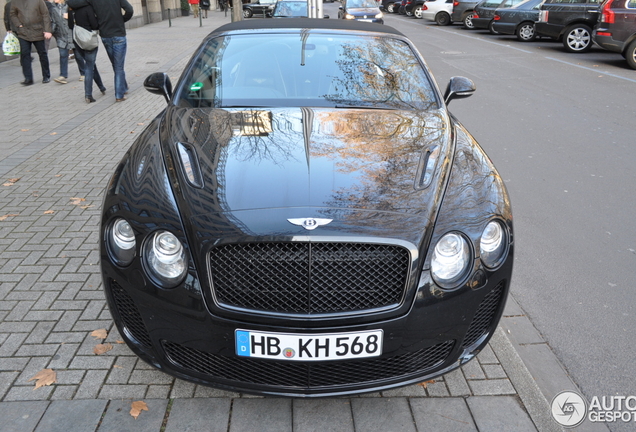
x=305 y=217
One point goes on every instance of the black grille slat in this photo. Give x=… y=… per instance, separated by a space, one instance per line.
x=484 y=315
x=305 y=374
x=130 y=315
x=309 y=278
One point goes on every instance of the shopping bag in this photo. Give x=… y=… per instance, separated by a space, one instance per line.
x=11 y=45
x=86 y=39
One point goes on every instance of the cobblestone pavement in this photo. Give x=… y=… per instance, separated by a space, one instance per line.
x=56 y=155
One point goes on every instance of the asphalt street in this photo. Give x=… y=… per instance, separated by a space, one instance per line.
x=560 y=129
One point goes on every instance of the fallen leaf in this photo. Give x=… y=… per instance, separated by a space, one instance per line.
x=99 y=334
x=137 y=407
x=132 y=131
x=11 y=181
x=58 y=175
x=140 y=124
x=119 y=341
x=49 y=212
x=84 y=207
x=53 y=133
x=8 y=216
x=44 y=378
x=77 y=201
x=426 y=383
x=118 y=367
x=24 y=130
x=102 y=348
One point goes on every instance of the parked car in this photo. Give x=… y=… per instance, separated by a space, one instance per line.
x=291 y=9
x=463 y=12
x=361 y=10
x=438 y=11
x=261 y=8
x=485 y=12
x=391 y=6
x=417 y=8
x=570 y=22
x=616 y=29
x=305 y=217
x=403 y=5
x=518 y=20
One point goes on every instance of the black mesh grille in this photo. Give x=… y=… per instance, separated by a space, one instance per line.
x=484 y=315
x=130 y=315
x=309 y=278
x=306 y=375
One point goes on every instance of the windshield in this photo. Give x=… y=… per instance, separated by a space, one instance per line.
x=353 y=4
x=305 y=69
x=290 y=9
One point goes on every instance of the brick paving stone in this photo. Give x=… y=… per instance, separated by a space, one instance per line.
x=150 y=377
x=63 y=356
x=472 y=370
x=264 y=415
x=325 y=415
x=202 y=391
x=78 y=415
x=92 y=362
x=408 y=391
x=382 y=415
x=27 y=393
x=158 y=391
x=91 y=384
x=499 y=413
x=64 y=392
x=6 y=381
x=494 y=371
x=456 y=383
x=209 y=415
x=13 y=363
x=21 y=416
x=110 y=391
x=442 y=415
x=121 y=370
x=182 y=389
x=491 y=387
x=40 y=332
x=118 y=418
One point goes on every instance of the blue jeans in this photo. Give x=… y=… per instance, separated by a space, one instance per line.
x=92 y=73
x=64 y=62
x=26 y=59
x=116 y=50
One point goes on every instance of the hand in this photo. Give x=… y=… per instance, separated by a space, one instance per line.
x=47 y=35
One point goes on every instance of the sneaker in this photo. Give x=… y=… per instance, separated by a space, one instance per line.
x=61 y=80
x=82 y=78
x=103 y=90
x=89 y=99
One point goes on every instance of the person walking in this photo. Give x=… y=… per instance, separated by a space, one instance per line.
x=112 y=30
x=194 y=4
x=31 y=22
x=86 y=59
x=204 y=5
x=63 y=37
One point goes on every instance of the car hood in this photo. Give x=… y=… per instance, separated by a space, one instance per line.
x=281 y=163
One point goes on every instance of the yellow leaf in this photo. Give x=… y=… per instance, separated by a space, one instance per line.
x=44 y=378
x=76 y=200
x=119 y=341
x=426 y=383
x=137 y=407
x=49 y=212
x=53 y=133
x=99 y=334
x=102 y=348
x=11 y=181
x=24 y=130
x=8 y=216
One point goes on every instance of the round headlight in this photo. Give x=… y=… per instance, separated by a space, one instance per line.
x=493 y=244
x=121 y=242
x=451 y=259
x=165 y=258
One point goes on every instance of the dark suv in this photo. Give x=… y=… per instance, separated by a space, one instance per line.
x=571 y=21
x=616 y=29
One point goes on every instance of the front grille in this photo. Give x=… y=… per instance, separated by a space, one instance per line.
x=484 y=315
x=129 y=314
x=306 y=375
x=309 y=278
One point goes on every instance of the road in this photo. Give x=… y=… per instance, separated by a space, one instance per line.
x=560 y=129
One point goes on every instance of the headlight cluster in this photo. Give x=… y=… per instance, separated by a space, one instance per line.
x=349 y=16
x=452 y=257
x=162 y=253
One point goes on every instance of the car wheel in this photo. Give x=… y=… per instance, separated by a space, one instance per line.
x=247 y=13
x=442 y=19
x=390 y=8
x=491 y=28
x=577 y=38
x=525 y=32
x=418 y=12
x=468 y=21
x=408 y=12
x=630 y=54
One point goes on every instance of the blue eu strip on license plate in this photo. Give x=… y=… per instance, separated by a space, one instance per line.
x=309 y=347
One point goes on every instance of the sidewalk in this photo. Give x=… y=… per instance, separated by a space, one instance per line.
x=56 y=156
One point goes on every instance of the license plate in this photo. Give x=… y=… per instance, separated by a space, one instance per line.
x=365 y=20
x=309 y=347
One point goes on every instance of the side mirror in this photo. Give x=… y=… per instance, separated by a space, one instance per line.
x=159 y=83
x=326 y=17
x=458 y=88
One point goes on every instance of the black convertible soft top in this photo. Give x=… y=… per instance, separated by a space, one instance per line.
x=306 y=23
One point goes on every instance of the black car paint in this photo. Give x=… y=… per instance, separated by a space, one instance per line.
x=150 y=190
x=562 y=15
x=485 y=11
x=258 y=9
x=620 y=35
x=508 y=20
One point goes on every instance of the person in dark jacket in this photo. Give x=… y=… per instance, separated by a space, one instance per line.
x=31 y=22
x=85 y=17
x=112 y=30
x=7 y=16
x=63 y=37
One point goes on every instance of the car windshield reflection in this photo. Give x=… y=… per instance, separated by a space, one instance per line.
x=319 y=70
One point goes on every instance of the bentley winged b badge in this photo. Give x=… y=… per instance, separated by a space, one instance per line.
x=309 y=223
